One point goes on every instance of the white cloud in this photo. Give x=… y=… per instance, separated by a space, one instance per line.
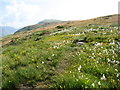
x=84 y=9
x=19 y=13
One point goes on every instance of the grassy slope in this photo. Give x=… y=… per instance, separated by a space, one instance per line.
x=42 y=24
x=52 y=58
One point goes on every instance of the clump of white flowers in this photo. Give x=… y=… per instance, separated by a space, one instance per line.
x=53 y=54
x=79 y=68
x=97 y=44
x=93 y=84
x=99 y=83
x=118 y=74
x=42 y=62
x=103 y=77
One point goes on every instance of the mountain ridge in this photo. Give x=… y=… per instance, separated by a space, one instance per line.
x=41 y=24
x=7 y=30
x=49 y=21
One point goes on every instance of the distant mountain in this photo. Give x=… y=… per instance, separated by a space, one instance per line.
x=42 y=24
x=49 y=21
x=6 y=30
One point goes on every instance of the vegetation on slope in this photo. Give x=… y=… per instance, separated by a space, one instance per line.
x=42 y=24
x=83 y=56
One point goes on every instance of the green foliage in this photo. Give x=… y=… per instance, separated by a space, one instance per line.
x=60 y=27
x=58 y=59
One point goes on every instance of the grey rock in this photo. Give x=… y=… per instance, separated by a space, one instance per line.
x=80 y=43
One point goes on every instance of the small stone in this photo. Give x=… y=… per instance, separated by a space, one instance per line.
x=80 y=43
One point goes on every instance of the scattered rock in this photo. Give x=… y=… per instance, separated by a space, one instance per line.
x=106 y=17
x=80 y=43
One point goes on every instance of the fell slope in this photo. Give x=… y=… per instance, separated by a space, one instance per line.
x=42 y=24
x=75 y=54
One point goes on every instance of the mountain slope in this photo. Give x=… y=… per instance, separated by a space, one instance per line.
x=7 y=30
x=76 y=54
x=49 y=21
x=42 y=24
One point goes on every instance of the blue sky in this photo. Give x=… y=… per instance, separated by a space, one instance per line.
x=20 y=13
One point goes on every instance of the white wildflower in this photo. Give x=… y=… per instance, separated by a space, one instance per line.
x=97 y=61
x=83 y=33
x=116 y=70
x=118 y=74
x=79 y=68
x=53 y=54
x=93 y=84
x=42 y=62
x=54 y=46
x=97 y=44
x=93 y=54
x=92 y=57
x=99 y=83
x=113 y=51
x=103 y=77
x=37 y=66
x=108 y=60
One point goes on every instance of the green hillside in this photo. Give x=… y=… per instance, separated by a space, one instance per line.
x=77 y=54
x=42 y=24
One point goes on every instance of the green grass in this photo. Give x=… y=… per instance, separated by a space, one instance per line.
x=41 y=56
